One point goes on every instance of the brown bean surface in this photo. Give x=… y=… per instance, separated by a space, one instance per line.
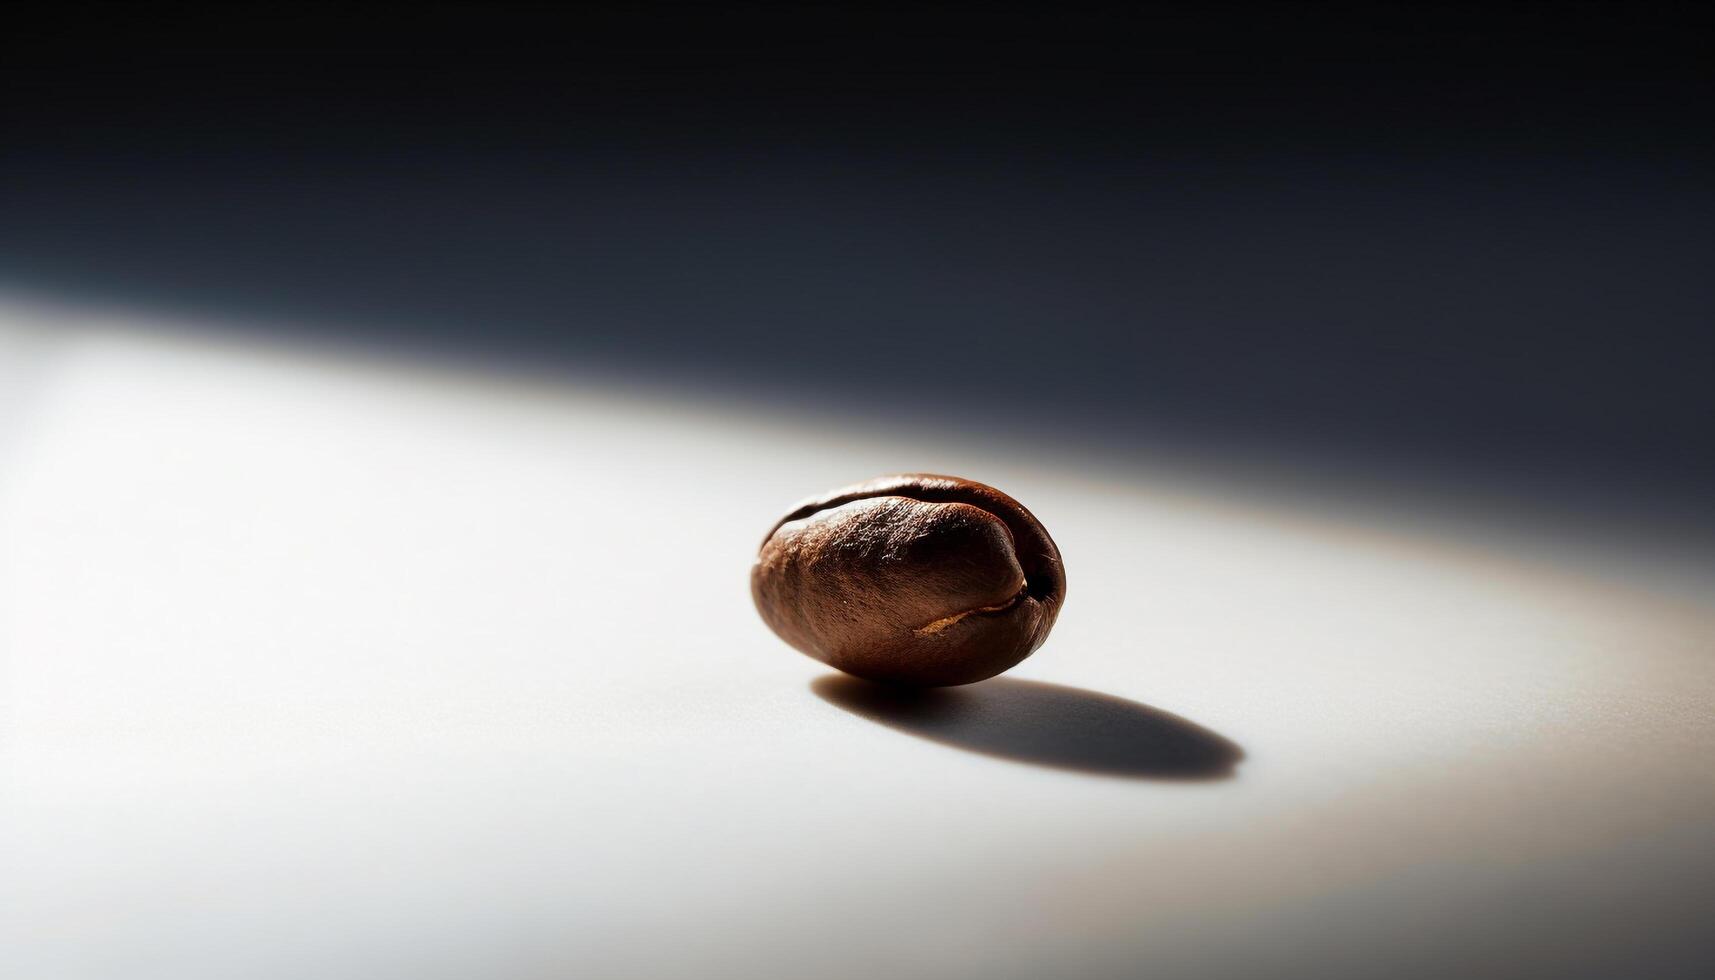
x=913 y=579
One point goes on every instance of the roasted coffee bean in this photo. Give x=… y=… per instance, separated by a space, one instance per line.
x=914 y=579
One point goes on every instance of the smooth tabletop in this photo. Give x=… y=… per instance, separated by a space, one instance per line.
x=318 y=665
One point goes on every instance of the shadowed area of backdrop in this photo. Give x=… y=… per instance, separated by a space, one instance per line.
x=1463 y=236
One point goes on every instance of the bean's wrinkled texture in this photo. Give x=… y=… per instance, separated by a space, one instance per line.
x=914 y=579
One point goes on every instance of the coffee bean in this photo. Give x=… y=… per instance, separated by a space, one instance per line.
x=914 y=579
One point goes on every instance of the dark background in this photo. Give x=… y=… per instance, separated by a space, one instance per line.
x=1475 y=237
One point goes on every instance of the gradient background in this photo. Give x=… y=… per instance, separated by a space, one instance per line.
x=1471 y=234
x=370 y=375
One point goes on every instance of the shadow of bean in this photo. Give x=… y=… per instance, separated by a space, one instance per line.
x=1044 y=724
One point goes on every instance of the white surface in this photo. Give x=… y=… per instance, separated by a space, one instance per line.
x=318 y=669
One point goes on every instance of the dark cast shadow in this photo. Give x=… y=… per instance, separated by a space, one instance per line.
x=1044 y=724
